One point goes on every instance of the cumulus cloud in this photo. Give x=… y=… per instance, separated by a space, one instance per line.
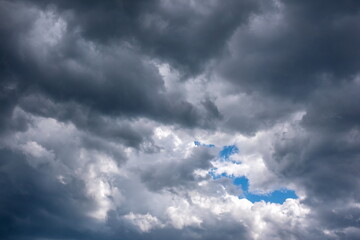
x=117 y=119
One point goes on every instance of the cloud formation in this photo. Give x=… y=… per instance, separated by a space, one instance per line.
x=114 y=115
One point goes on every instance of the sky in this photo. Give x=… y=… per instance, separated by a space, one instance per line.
x=179 y=119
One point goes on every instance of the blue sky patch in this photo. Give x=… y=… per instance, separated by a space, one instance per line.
x=217 y=176
x=199 y=144
x=227 y=151
x=243 y=182
x=277 y=196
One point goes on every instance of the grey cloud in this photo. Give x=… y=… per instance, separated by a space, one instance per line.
x=250 y=113
x=295 y=49
x=91 y=65
x=178 y=172
x=34 y=204
x=184 y=33
x=129 y=133
x=324 y=159
x=111 y=80
x=303 y=55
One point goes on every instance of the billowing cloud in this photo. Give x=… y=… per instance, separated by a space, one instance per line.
x=179 y=120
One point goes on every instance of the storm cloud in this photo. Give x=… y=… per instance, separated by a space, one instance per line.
x=176 y=119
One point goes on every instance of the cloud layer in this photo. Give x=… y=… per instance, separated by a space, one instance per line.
x=114 y=115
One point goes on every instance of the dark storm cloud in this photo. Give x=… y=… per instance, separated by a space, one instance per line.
x=184 y=33
x=91 y=66
x=324 y=158
x=256 y=112
x=296 y=48
x=8 y=120
x=9 y=89
x=113 y=129
x=34 y=204
x=111 y=80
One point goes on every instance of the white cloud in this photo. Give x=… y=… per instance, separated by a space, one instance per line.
x=182 y=216
x=145 y=222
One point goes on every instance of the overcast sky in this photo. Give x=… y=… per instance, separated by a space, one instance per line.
x=179 y=119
